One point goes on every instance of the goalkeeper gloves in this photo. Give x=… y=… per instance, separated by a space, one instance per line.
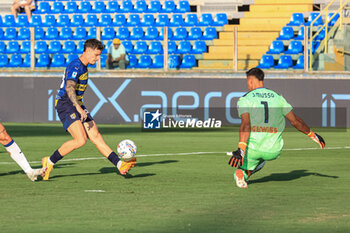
x=317 y=138
x=238 y=155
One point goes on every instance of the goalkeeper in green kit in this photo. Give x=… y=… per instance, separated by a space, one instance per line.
x=263 y=114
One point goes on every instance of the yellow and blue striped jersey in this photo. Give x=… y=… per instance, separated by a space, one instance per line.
x=77 y=72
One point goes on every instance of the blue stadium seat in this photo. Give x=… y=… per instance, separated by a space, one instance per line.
x=43 y=60
x=136 y=33
x=91 y=20
x=39 y=33
x=183 y=7
x=12 y=47
x=79 y=34
x=315 y=45
x=188 y=62
x=80 y=47
x=77 y=20
x=210 y=34
x=158 y=62
x=205 y=20
x=220 y=20
x=161 y=34
x=10 y=34
x=334 y=20
x=128 y=46
x=58 y=60
x=123 y=33
x=172 y=48
x=133 y=20
x=36 y=21
x=15 y=61
x=162 y=20
x=66 y=34
x=50 y=21
x=108 y=33
x=1 y=33
x=140 y=6
x=9 y=21
x=287 y=33
x=199 y=47
x=25 y=47
x=105 y=51
x=321 y=35
x=40 y=47
x=43 y=8
x=119 y=20
x=140 y=47
x=54 y=47
x=2 y=47
x=154 y=6
x=284 y=62
x=276 y=47
x=312 y=17
x=71 y=57
x=112 y=7
x=266 y=62
x=71 y=7
x=180 y=34
x=151 y=33
x=297 y=19
x=132 y=61
x=184 y=47
x=155 y=47
x=1 y=21
x=195 y=34
x=176 y=20
x=300 y=63
x=295 y=47
x=3 y=60
x=26 y=61
x=23 y=33
x=301 y=34
x=174 y=62
x=22 y=21
x=147 y=20
x=126 y=6
x=105 y=20
x=68 y=47
x=85 y=7
x=63 y=21
x=145 y=61
x=57 y=7
x=168 y=6
x=103 y=59
x=191 y=20
x=99 y=7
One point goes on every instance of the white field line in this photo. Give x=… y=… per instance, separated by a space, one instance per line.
x=189 y=153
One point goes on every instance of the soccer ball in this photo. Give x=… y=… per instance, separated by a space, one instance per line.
x=126 y=150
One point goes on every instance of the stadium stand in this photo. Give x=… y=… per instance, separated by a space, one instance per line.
x=75 y=21
x=268 y=28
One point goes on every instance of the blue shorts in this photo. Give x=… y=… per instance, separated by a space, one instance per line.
x=69 y=114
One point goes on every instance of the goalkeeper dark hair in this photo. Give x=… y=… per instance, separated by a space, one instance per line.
x=256 y=72
x=93 y=44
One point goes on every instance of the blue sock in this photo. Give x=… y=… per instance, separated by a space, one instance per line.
x=113 y=157
x=55 y=157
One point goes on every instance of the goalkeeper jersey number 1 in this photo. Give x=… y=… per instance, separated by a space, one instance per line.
x=267 y=111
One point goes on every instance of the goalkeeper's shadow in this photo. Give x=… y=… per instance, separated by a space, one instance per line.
x=292 y=175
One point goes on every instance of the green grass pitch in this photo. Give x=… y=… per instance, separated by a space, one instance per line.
x=305 y=190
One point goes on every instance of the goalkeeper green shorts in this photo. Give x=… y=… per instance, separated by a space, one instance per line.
x=253 y=158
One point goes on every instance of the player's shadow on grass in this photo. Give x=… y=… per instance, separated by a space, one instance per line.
x=34 y=167
x=293 y=175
